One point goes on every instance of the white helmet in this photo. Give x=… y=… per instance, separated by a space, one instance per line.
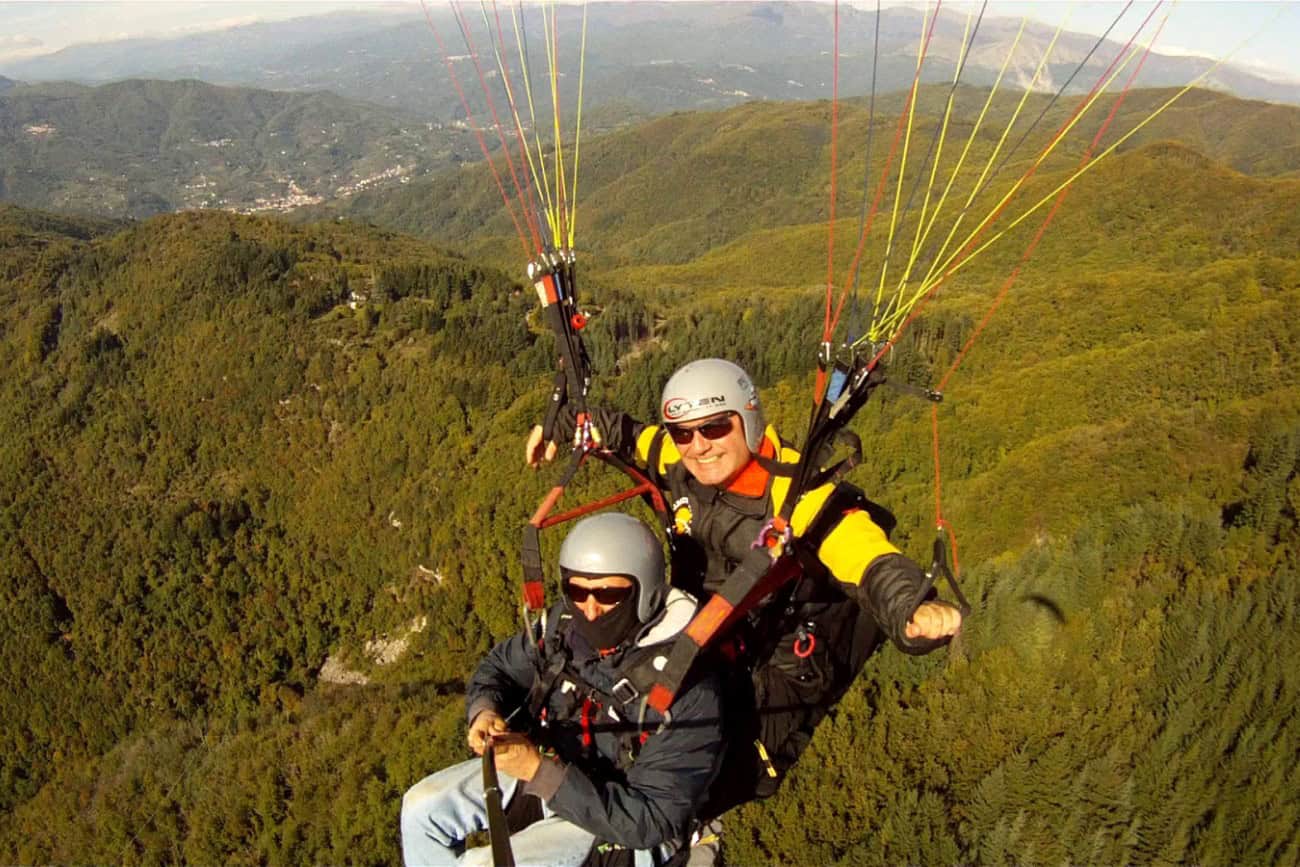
x=615 y=543
x=710 y=386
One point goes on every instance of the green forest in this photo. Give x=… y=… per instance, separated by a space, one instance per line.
x=233 y=448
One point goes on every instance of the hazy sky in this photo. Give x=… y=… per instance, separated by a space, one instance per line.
x=1210 y=28
x=1205 y=27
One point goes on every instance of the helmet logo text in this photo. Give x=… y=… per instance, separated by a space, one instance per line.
x=676 y=407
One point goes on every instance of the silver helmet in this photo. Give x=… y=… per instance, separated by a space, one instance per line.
x=615 y=543
x=710 y=386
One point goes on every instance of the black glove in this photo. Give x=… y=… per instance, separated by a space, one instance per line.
x=618 y=431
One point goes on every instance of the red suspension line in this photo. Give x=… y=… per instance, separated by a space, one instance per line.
x=830 y=222
x=496 y=124
x=478 y=133
x=1011 y=279
x=939 y=522
x=514 y=111
x=833 y=321
x=959 y=259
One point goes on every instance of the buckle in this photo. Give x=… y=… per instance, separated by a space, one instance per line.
x=774 y=537
x=624 y=691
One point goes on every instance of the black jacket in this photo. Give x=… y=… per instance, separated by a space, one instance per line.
x=637 y=802
x=715 y=529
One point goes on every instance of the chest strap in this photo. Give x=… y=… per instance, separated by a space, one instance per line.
x=639 y=669
x=760 y=573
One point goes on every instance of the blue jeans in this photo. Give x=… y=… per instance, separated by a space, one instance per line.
x=441 y=810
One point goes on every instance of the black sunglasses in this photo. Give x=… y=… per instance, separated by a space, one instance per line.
x=603 y=595
x=710 y=430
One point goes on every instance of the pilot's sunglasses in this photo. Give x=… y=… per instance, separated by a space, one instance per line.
x=710 y=430
x=603 y=595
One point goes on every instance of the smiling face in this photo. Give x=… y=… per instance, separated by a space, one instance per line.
x=712 y=456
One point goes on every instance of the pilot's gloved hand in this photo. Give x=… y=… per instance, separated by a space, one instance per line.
x=610 y=429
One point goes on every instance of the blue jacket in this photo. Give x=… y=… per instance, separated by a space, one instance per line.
x=594 y=725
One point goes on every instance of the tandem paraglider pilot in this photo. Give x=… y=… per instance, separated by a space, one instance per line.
x=587 y=770
x=728 y=474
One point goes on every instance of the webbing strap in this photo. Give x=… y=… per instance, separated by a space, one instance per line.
x=838 y=471
x=757 y=576
x=559 y=394
x=534 y=573
x=775 y=467
x=498 y=829
x=939 y=568
x=544 y=681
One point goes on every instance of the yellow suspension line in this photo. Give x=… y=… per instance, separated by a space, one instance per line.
x=552 y=49
x=902 y=165
x=975 y=190
x=1060 y=137
x=1107 y=152
x=934 y=167
x=577 y=136
x=510 y=95
x=945 y=271
x=979 y=122
x=547 y=202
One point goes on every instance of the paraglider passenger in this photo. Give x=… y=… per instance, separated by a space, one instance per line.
x=722 y=467
x=582 y=759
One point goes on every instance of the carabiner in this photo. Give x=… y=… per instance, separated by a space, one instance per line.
x=804 y=642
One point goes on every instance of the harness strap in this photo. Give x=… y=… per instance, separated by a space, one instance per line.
x=752 y=580
x=534 y=572
x=834 y=474
x=939 y=568
x=756 y=577
x=585 y=720
x=559 y=394
x=777 y=467
x=639 y=674
x=544 y=683
x=653 y=455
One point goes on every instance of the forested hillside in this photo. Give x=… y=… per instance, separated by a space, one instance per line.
x=215 y=473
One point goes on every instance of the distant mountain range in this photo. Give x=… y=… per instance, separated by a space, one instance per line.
x=671 y=189
x=137 y=148
x=642 y=58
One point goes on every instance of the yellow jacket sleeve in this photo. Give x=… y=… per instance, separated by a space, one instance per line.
x=853 y=543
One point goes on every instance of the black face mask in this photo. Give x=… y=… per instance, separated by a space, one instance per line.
x=610 y=629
